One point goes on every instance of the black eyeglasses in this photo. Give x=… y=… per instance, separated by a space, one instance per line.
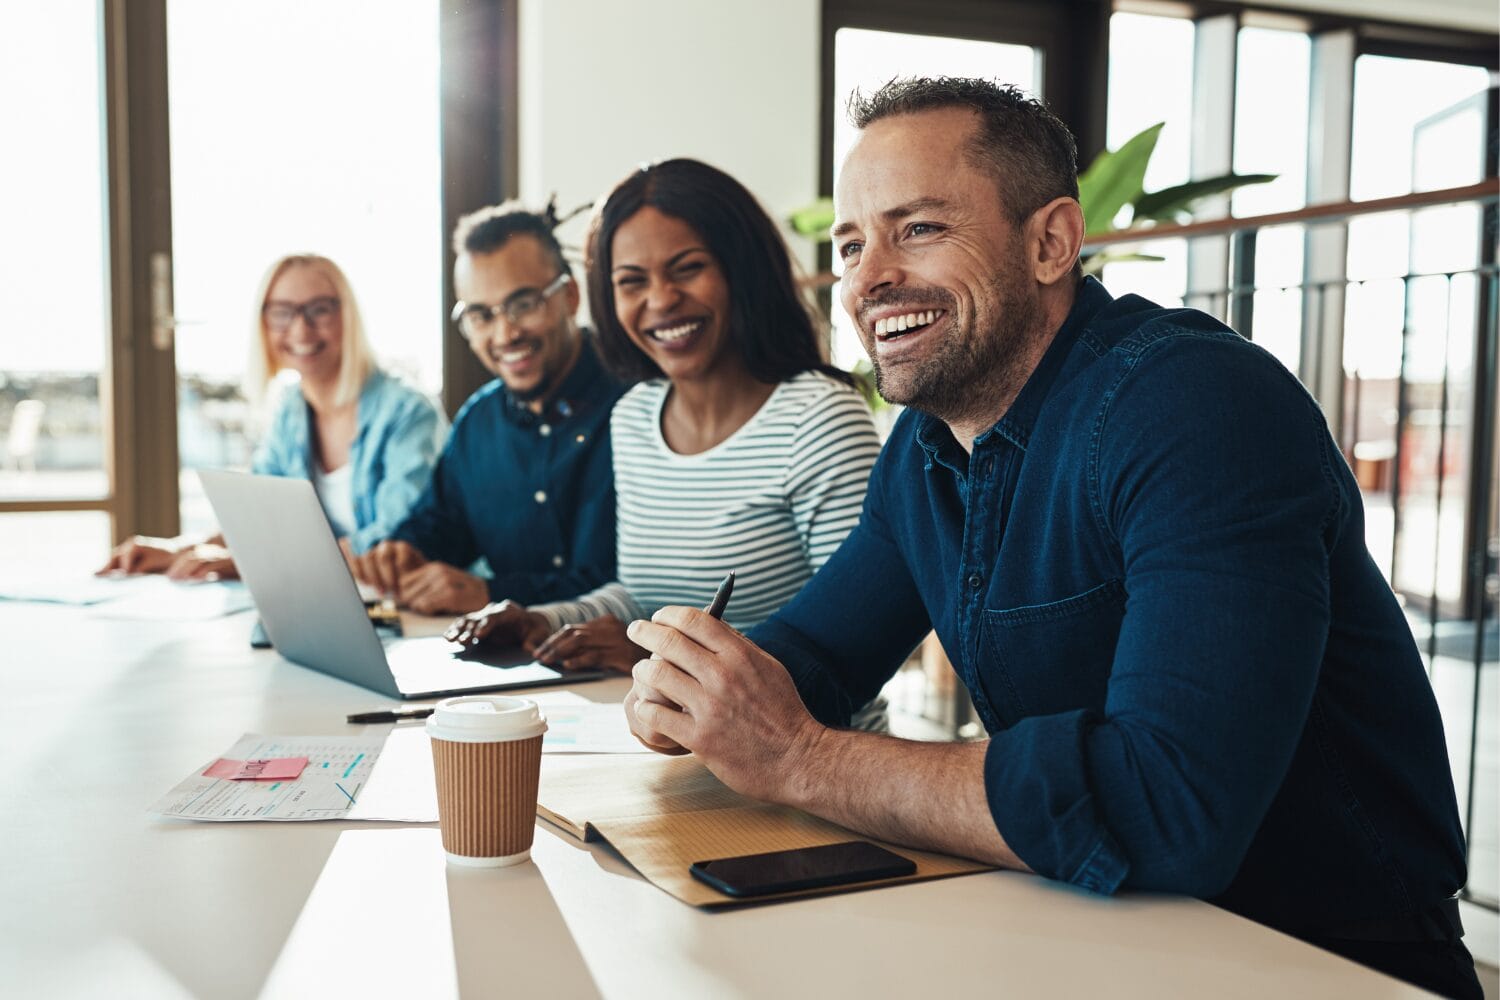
x=318 y=313
x=476 y=319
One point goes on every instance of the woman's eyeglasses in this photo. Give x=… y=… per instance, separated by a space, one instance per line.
x=476 y=319
x=318 y=313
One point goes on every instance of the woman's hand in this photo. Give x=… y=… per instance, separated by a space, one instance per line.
x=598 y=643
x=205 y=561
x=141 y=554
x=503 y=624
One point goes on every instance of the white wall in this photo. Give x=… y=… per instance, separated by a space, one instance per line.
x=606 y=86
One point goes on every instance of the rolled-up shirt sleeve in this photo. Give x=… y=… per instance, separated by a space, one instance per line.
x=1213 y=473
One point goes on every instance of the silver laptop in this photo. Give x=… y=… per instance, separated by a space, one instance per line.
x=312 y=611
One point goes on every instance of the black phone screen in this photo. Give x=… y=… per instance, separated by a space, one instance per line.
x=803 y=868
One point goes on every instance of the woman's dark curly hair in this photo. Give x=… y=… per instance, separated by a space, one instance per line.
x=769 y=322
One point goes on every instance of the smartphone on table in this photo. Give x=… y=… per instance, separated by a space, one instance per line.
x=802 y=868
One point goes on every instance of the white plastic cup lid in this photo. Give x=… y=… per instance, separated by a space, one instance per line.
x=486 y=719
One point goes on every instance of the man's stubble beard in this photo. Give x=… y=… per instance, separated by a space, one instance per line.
x=960 y=382
x=553 y=370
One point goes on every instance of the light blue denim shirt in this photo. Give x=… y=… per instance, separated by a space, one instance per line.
x=395 y=446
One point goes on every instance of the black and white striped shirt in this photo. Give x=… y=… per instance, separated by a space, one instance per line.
x=771 y=502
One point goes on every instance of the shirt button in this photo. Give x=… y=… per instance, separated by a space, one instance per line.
x=544 y=430
x=975 y=580
x=580 y=439
x=987 y=466
x=557 y=561
x=540 y=496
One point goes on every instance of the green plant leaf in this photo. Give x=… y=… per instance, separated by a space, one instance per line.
x=1115 y=179
x=813 y=220
x=1170 y=204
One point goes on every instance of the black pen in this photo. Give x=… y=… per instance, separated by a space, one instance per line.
x=721 y=597
x=389 y=715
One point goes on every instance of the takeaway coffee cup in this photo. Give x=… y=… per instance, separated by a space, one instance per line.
x=487 y=758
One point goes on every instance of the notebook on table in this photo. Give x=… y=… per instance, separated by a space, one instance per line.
x=665 y=813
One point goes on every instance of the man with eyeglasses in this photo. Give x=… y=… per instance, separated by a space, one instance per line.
x=524 y=486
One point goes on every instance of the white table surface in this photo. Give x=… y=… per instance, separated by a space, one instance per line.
x=100 y=898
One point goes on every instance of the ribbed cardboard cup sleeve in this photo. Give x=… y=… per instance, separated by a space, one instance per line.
x=487 y=795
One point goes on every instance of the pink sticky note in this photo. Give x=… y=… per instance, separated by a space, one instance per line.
x=277 y=768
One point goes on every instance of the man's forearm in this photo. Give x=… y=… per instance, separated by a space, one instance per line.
x=925 y=795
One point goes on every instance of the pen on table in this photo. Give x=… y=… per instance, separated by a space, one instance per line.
x=390 y=715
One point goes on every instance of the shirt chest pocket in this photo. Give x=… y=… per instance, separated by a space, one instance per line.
x=1043 y=659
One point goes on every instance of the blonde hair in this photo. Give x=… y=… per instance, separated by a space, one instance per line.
x=357 y=361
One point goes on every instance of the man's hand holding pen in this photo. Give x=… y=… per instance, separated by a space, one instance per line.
x=714 y=693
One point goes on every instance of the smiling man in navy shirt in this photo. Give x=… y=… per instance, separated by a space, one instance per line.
x=526 y=481
x=1143 y=552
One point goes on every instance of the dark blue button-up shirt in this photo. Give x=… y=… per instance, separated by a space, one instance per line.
x=533 y=494
x=1151 y=575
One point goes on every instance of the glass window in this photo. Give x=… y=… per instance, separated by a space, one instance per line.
x=316 y=131
x=53 y=354
x=1150 y=81
x=1391 y=97
x=1270 y=137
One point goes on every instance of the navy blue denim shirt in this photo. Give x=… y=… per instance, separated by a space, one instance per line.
x=531 y=494
x=1151 y=575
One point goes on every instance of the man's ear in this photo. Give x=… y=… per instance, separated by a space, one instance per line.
x=1056 y=237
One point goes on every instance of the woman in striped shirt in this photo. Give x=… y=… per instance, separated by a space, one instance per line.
x=740 y=449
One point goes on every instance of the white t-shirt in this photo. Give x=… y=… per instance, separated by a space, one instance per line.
x=336 y=494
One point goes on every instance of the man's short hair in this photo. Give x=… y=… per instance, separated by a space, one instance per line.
x=1027 y=147
x=490 y=228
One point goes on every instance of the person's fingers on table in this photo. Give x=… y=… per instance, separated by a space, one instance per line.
x=418 y=584
x=559 y=643
x=367 y=569
x=139 y=555
x=503 y=626
x=182 y=565
x=372 y=567
x=357 y=568
x=480 y=624
x=532 y=629
x=388 y=568
x=116 y=562
x=423 y=592
x=208 y=569
x=464 y=627
x=582 y=654
x=458 y=630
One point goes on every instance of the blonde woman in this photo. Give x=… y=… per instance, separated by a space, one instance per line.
x=366 y=440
